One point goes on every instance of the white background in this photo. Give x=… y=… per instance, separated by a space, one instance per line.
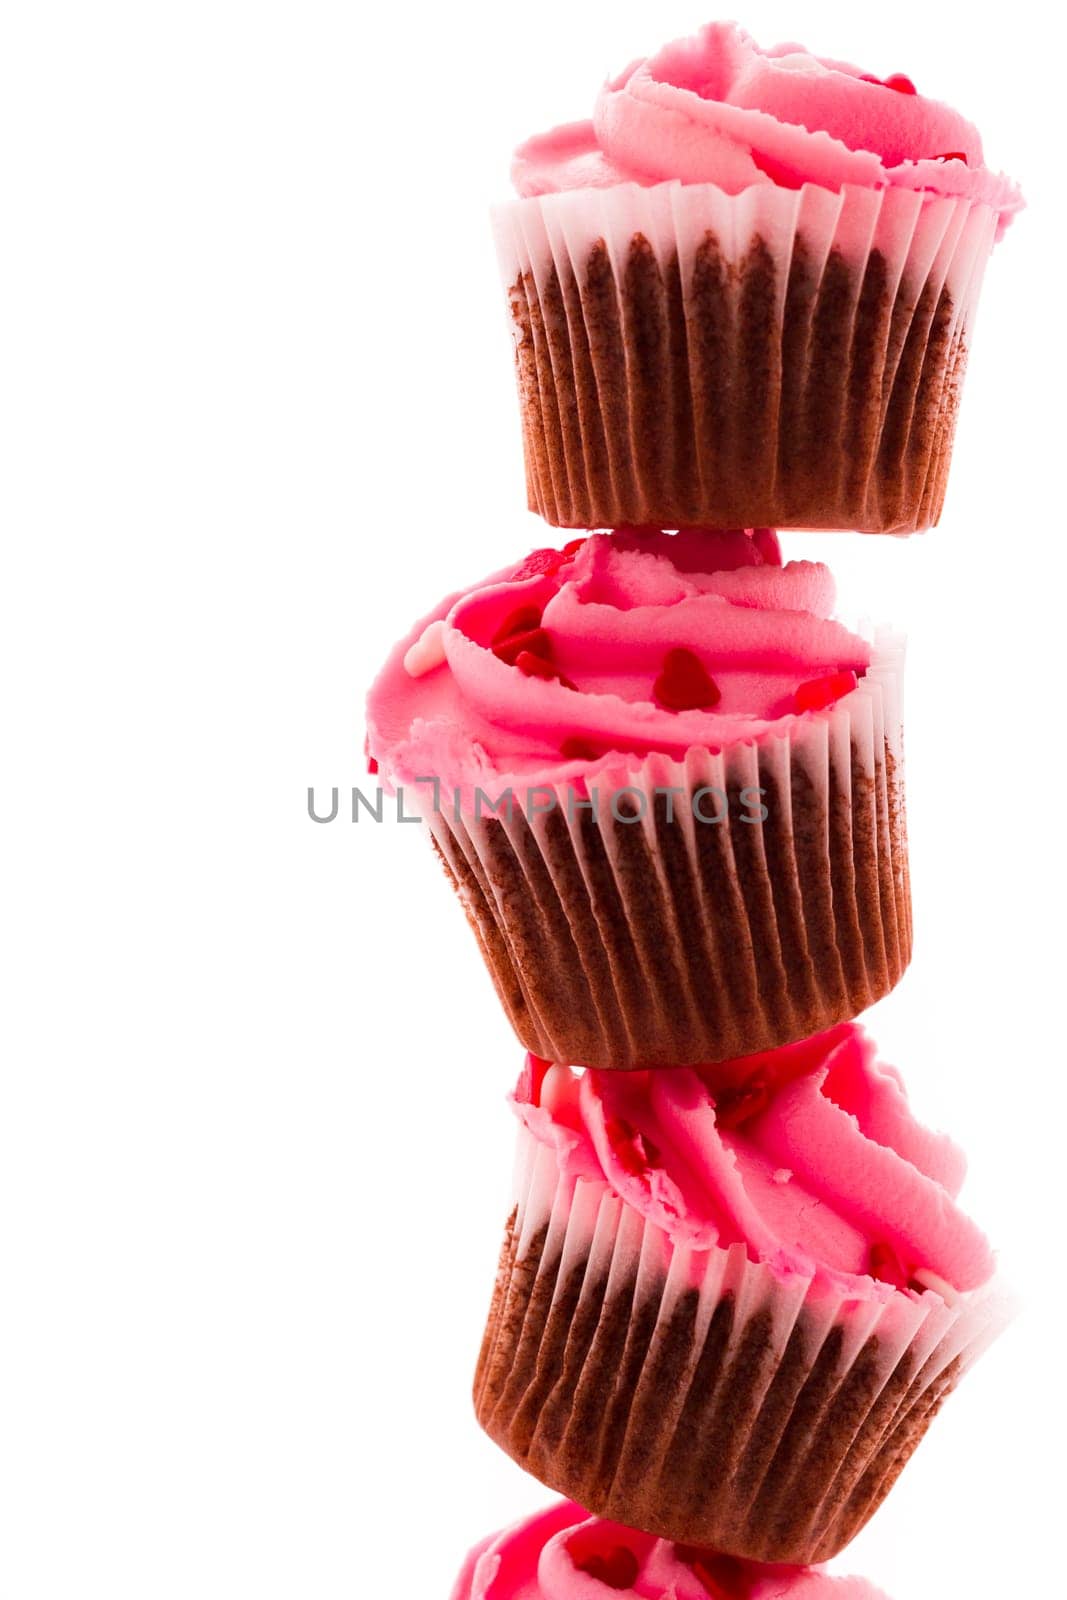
x=254 y=1152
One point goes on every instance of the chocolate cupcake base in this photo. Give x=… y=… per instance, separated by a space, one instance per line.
x=778 y=358
x=685 y=912
x=697 y=1397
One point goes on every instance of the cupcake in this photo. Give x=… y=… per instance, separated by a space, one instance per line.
x=731 y=1300
x=564 y=1554
x=744 y=293
x=667 y=787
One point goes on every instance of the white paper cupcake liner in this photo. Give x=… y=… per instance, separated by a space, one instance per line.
x=660 y=939
x=697 y=1395
x=778 y=358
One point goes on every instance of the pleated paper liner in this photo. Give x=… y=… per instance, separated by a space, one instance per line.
x=633 y=934
x=697 y=1395
x=778 y=358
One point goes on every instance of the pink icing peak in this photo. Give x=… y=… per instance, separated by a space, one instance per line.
x=808 y=1155
x=562 y=1553
x=718 y=109
x=623 y=643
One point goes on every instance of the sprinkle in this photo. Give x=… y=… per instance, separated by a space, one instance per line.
x=573 y=749
x=884 y=1264
x=923 y=1278
x=951 y=155
x=536 y=667
x=818 y=693
x=896 y=80
x=721 y=1575
x=546 y=563
x=683 y=683
x=734 y=1107
x=535 y=640
x=520 y=621
x=557 y=1087
x=635 y=1153
x=616 y=1569
x=766 y=542
x=427 y=652
x=538 y=564
x=531 y=1078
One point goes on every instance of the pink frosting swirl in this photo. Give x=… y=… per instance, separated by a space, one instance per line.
x=809 y=1156
x=631 y=642
x=718 y=109
x=564 y=1554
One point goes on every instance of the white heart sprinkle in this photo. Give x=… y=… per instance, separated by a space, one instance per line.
x=427 y=652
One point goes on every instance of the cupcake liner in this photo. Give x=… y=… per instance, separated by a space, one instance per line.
x=657 y=939
x=778 y=358
x=699 y=1396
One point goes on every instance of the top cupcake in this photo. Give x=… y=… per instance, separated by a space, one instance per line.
x=742 y=293
x=718 y=109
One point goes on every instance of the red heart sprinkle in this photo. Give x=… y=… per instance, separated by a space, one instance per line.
x=536 y=667
x=780 y=174
x=634 y=1152
x=766 y=542
x=724 y=1577
x=683 y=683
x=896 y=80
x=535 y=640
x=951 y=155
x=531 y=1078
x=538 y=564
x=884 y=1264
x=372 y=765
x=520 y=621
x=617 y=1568
x=820 y=692
x=573 y=749
x=735 y=1107
x=546 y=563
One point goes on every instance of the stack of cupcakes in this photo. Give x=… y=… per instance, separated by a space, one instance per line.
x=666 y=783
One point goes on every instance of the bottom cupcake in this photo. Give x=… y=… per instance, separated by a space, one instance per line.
x=563 y=1554
x=731 y=1299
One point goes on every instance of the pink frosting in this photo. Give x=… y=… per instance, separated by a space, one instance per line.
x=564 y=1554
x=607 y=613
x=809 y=1156
x=718 y=109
